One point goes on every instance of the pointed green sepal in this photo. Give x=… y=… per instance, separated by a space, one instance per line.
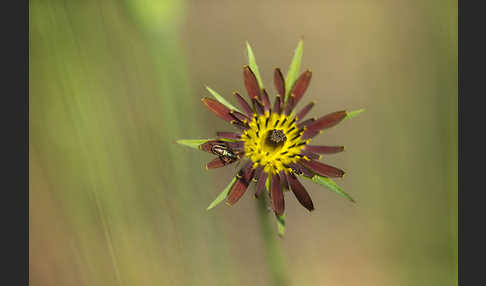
x=222 y=195
x=324 y=181
x=253 y=65
x=294 y=68
x=221 y=99
x=280 y=224
x=193 y=143
x=267 y=183
x=352 y=114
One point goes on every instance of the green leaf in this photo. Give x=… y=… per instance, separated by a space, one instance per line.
x=280 y=224
x=221 y=99
x=253 y=65
x=294 y=69
x=352 y=114
x=193 y=143
x=222 y=195
x=324 y=181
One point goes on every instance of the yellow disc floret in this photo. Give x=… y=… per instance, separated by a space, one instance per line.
x=273 y=141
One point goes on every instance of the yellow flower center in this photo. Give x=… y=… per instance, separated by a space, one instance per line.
x=273 y=141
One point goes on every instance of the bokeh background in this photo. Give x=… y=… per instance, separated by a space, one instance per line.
x=114 y=201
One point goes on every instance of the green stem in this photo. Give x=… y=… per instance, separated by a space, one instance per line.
x=274 y=257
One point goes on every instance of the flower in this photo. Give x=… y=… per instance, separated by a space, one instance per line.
x=272 y=138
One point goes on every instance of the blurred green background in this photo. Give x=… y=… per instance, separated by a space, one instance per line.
x=113 y=201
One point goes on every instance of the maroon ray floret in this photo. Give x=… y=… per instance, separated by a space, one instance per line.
x=322 y=169
x=283 y=179
x=217 y=108
x=261 y=184
x=277 y=195
x=300 y=192
x=266 y=100
x=324 y=122
x=246 y=107
x=258 y=106
x=277 y=104
x=324 y=149
x=310 y=155
x=303 y=112
x=239 y=188
x=251 y=83
x=216 y=163
x=300 y=87
x=306 y=123
x=279 y=82
x=239 y=116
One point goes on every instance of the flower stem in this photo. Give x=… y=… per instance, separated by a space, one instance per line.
x=274 y=257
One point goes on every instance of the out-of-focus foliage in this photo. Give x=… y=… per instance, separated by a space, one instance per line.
x=115 y=201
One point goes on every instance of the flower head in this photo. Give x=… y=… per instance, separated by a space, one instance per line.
x=272 y=138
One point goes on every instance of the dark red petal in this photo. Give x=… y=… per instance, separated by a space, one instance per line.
x=306 y=122
x=324 y=149
x=300 y=192
x=239 y=116
x=310 y=154
x=241 y=185
x=322 y=169
x=258 y=106
x=283 y=179
x=239 y=124
x=246 y=167
x=229 y=135
x=323 y=122
x=218 y=163
x=277 y=195
x=266 y=100
x=236 y=192
x=258 y=173
x=301 y=86
x=235 y=145
x=289 y=105
x=303 y=112
x=296 y=168
x=306 y=172
x=249 y=175
x=261 y=183
x=277 y=104
x=328 y=120
x=251 y=83
x=279 y=82
x=217 y=108
x=244 y=104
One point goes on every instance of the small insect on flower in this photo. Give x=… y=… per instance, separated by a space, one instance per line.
x=273 y=140
x=225 y=154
